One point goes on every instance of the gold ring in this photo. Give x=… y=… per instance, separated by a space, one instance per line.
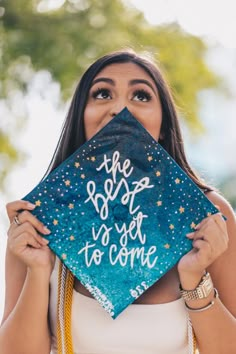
x=16 y=220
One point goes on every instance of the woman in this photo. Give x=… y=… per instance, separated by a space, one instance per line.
x=114 y=81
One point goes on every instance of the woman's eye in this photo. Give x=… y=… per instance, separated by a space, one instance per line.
x=101 y=94
x=142 y=95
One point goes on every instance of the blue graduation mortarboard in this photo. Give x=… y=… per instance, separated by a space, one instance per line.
x=119 y=209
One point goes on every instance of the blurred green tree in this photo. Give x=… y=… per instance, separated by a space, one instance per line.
x=66 y=39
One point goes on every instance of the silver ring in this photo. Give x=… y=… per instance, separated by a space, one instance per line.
x=16 y=220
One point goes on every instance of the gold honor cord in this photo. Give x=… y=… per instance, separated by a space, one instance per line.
x=64 y=304
x=192 y=342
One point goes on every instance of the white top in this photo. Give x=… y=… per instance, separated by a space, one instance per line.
x=139 y=329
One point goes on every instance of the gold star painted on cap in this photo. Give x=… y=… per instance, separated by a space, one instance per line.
x=77 y=164
x=159 y=203
x=55 y=222
x=38 y=203
x=193 y=225
x=167 y=246
x=72 y=237
x=177 y=181
x=181 y=210
x=93 y=158
x=71 y=206
x=63 y=256
x=171 y=226
x=158 y=173
x=149 y=158
x=83 y=176
x=67 y=182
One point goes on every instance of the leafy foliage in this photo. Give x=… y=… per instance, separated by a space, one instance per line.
x=66 y=39
x=8 y=155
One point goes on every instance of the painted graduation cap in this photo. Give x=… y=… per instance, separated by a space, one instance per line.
x=119 y=209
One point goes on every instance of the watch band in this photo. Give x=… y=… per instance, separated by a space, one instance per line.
x=202 y=291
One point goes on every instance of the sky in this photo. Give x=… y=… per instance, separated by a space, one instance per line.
x=213 y=20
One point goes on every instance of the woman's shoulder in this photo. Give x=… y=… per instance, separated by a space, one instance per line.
x=222 y=269
x=227 y=211
x=221 y=203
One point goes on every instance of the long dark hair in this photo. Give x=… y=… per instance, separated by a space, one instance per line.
x=73 y=136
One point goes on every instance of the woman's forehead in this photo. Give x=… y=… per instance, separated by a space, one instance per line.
x=127 y=69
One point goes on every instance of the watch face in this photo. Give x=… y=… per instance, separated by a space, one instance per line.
x=207 y=285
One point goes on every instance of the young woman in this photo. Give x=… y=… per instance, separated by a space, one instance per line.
x=157 y=322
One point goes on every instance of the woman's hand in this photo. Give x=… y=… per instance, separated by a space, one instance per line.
x=24 y=240
x=210 y=240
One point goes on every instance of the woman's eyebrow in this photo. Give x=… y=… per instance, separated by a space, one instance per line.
x=141 y=81
x=131 y=82
x=103 y=79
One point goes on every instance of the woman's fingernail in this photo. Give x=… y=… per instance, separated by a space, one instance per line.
x=46 y=230
x=45 y=241
x=31 y=206
x=190 y=235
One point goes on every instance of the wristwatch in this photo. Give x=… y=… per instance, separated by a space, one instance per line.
x=202 y=291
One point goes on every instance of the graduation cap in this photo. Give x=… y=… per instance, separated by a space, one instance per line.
x=119 y=209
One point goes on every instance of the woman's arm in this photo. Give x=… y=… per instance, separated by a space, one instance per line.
x=26 y=330
x=24 y=327
x=214 y=250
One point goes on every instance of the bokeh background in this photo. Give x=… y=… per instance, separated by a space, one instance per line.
x=45 y=45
